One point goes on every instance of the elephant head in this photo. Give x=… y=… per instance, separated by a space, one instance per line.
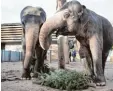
x=65 y=21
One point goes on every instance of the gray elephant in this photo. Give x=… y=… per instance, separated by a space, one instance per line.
x=94 y=32
x=32 y=19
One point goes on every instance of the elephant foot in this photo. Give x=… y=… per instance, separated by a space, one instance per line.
x=100 y=81
x=26 y=74
x=35 y=75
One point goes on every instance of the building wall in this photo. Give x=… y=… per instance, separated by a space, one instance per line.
x=13 y=47
x=2 y=46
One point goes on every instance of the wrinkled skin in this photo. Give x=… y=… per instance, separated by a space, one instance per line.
x=32 y=19
x=94 y=32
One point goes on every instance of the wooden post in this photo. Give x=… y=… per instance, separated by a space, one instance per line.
x=66 y=49
x=63 y=48
x=49 y=56
x=61 y=63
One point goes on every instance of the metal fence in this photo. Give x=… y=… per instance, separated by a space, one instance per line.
x=10 y=56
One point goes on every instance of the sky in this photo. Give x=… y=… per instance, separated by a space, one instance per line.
x=10 y=9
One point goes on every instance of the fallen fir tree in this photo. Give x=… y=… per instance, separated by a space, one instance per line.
x=64 y=80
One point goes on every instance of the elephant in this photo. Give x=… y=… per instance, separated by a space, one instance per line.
x=32 y=18
x=94 y=32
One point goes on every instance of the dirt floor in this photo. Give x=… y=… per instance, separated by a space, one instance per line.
x=11 y=74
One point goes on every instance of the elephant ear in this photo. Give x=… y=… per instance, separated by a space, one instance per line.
x=81 y=12
x=66 y=14
x=83 y=6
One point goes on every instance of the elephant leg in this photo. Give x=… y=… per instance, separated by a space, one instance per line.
x=27 y=70
x=96 y=50
x=87 y=59
x=44 y=57
x=104 y=58
x=39 y=64
x=89 y=66
x=32 y=62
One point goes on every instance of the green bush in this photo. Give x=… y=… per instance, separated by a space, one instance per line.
x=64 y=80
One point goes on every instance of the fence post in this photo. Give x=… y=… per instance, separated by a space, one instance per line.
x=61 y=60
x=49 y=56
x=66 y=49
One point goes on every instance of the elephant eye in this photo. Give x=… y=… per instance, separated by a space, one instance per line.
x=66 y=15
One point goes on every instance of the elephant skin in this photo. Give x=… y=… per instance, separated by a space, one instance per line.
x=94 y=32
x=32 y=19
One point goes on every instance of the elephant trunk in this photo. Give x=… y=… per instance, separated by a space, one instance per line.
x=31 y=38
x=49 y=27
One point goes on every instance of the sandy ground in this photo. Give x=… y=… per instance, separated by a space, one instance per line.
x=11 y=73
